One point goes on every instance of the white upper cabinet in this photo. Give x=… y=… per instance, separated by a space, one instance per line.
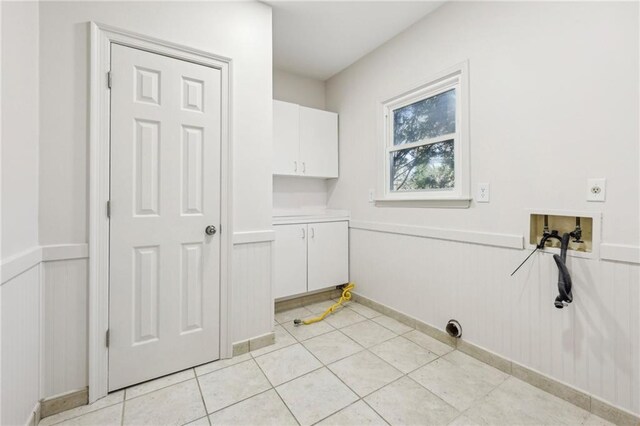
x=319 y=142
x=305 y=141
x=286 y=138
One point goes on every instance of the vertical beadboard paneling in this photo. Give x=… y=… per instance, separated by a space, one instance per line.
x=251 y=314
x=65 y=326
x=593 y=345
x=20 y=321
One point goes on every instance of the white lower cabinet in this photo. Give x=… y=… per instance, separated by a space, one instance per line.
x=327 y=255
x=310 y=256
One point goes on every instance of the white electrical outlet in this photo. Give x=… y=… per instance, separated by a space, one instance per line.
x=372 y=195
x=596 y=189
x=483 y=193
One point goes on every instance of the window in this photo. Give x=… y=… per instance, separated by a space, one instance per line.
x=425 y=142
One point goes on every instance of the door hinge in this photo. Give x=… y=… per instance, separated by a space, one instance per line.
x=109 y=82
x=107 y=338
x=109 y=209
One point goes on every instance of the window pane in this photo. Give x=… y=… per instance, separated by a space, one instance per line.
x=428 y=118
x=423 y=168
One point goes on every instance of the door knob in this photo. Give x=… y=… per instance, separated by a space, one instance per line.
x=210 y=230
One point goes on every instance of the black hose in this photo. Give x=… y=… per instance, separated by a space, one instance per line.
x=564 y=279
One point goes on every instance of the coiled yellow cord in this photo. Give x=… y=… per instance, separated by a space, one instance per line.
x=346 y=296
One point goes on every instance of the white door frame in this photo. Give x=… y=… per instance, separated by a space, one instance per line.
x=99 y=147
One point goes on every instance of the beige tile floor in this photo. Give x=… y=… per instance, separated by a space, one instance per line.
x=357 y=368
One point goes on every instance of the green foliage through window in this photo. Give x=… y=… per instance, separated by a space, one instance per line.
x=430 y=165
x=428 y=118
x=424 y=167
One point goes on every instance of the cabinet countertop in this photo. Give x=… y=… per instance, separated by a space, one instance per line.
x=286 y=217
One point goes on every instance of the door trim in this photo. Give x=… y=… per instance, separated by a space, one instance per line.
x=102 y=36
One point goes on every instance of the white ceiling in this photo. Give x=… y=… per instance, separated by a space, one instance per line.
x=321 y=38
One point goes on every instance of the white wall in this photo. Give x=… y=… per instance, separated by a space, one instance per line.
x=241 y=31
x=20 y=127
x=296 y=193
x=554 y=101
x=20 y=300
x=545 y=84
x=298 y=89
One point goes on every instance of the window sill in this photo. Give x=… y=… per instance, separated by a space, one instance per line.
x=456 y=203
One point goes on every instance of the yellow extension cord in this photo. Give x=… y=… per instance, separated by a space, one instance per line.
x=346 y=296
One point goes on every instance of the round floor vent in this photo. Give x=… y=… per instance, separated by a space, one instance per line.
x=454 y=329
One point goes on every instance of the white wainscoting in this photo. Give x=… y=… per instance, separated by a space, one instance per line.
x=65 y=325
x=44 y=317
x=252 y=301
x=20 y=310
x=593 y=345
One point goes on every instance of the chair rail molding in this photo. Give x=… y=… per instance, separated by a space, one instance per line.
x=475 y=237
x=22 y=262
x=248 y=237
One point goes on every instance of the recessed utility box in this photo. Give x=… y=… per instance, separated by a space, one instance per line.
x=565 y=222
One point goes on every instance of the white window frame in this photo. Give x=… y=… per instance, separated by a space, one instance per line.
x=456 y=77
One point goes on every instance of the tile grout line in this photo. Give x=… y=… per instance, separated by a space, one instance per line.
x=340 y=380
x=460 y=412
x=160 y=388
x=238 y=402
x=124 y=401
x=277 y=349
x=415 y=369
x=385 y=361
x=219 y=369
x=276 y=390
x=359 y=398
x=204 y=404
x=251 y=357
x=475 y=402
x=195 y=420
x=80 y=415
x=286 y=406
x=243 y=399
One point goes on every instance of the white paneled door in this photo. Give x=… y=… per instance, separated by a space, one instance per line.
x=165 y=191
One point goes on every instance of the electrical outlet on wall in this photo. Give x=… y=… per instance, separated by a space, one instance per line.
x=596 y=189
x=483 y=193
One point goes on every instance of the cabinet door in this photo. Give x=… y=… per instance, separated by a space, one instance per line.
x=319 y=143
x=290 y=266
x=286 y=138
x=328 y=255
